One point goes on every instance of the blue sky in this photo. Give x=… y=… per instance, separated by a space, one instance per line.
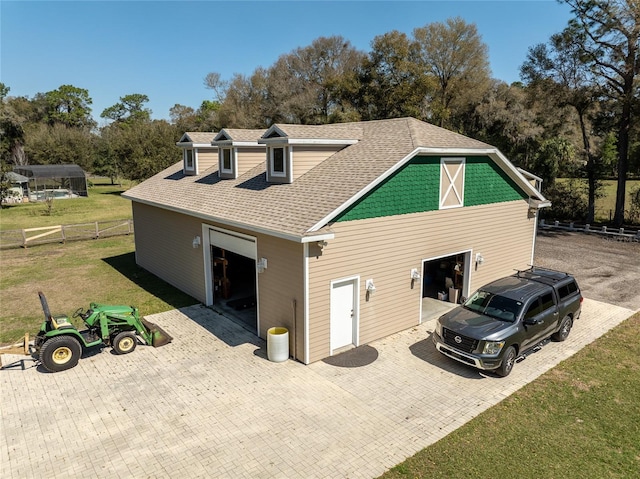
x=164 y=49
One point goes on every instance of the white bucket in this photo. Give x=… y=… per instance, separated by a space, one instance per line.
x=278 y=344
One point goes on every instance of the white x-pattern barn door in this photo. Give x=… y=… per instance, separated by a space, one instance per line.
x=451 y=182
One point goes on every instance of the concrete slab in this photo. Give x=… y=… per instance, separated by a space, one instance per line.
x=211 y=405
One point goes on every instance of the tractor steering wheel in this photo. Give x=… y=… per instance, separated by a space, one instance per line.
x=78 y=313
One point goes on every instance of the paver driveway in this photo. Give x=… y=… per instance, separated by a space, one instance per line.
x=211 y=405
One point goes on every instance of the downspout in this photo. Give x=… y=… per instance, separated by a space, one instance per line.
x=535 y=226
x=295 y=336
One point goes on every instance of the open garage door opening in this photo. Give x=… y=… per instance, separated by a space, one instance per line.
x=234 y=286
x=444 y=281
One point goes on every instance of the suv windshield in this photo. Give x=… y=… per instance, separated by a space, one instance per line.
x=494 y=305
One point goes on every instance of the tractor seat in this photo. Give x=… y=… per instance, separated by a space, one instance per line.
x=61 y=322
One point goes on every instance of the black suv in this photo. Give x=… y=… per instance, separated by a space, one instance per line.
x=504 y=319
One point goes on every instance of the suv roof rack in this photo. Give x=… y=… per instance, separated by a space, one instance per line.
x=542 y=275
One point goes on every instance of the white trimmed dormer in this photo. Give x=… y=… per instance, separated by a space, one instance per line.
x=198 y=154
x=238 y=151
x=292 y=150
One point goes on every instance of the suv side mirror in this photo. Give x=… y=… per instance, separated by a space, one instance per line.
x=532 y=321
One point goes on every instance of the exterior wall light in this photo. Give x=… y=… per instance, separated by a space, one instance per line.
x=414 y=277
x=479 y=259
x=196 y=242
x=369 y=287
x=262 y=265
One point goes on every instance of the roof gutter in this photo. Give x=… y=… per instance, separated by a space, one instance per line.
x=307 y=141
x=319 y=236
x=184 y=144
x=220 y=143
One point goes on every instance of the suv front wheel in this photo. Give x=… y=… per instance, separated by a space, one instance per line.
x=508 y=360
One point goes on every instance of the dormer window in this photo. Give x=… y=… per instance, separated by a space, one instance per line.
x=278 y=167
x=227 y=162
x=279 y=164
x=188 y=159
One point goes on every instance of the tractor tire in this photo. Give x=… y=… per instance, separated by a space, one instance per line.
x=124 y=342
x=60 y=353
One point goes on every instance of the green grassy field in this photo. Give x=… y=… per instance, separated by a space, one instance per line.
x=72 y=276
x=579 y=420
x=606 y=204
x=104 y=203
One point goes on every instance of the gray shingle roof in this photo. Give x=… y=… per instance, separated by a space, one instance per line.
x=336 y=131
x=241 y=134
x=291 y=210
x=199 y=137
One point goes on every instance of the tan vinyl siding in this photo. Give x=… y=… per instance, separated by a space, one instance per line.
x=278 y=286
x=164 y=247
x=306 y=157
x=250 y=157
x=206 y=159
x=386 y=249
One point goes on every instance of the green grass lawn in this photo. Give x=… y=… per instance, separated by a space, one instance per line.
x=606 y=204
x=73 y=275
x=104 y=203
x=579 y=420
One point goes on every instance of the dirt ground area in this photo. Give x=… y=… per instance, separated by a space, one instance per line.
x=607 y=270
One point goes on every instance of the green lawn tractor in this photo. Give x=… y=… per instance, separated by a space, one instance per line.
x=59 y=344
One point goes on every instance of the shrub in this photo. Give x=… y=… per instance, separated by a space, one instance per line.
x=634 y=206
x=48 y=205
x=569 y=201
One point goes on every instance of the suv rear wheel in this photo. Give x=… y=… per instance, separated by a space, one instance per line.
x=565 y=329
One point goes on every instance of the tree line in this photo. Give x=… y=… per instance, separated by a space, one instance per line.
x=573 y=114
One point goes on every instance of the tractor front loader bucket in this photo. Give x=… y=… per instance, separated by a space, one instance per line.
x=159 y=337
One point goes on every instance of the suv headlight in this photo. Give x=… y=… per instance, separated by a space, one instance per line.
x=493 y=347
x=438 y=327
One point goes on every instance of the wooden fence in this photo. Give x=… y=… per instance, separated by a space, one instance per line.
x=63 y=233
x=619 y=234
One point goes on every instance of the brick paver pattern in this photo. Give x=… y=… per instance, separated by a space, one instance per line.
x=210 y=404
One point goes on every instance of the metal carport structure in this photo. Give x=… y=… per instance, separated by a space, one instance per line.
x=54 y=181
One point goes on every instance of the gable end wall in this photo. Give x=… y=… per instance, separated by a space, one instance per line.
x=386 y=249
x=415 y=188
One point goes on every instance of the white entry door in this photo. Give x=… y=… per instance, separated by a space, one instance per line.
x=344 y=314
